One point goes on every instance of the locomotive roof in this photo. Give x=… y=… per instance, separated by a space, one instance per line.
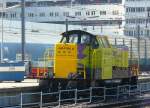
x=77 y=32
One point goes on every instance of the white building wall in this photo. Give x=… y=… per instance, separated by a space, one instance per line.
x=113 y=12
x=2 y=4
x=137 y=13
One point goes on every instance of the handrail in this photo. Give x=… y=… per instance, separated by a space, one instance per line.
x=75 y=95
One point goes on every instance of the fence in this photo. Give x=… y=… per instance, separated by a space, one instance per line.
x=74 y=96
x=138 y=48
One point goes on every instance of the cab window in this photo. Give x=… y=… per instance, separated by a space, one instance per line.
x=95 y=43
x=105 y=42
x=70 y=39
x=63 y=40
x=100 y=43
x=85 y=39
x=73 y=38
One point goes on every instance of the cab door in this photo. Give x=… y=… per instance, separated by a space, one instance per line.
x=95 y=69
x=84 y=54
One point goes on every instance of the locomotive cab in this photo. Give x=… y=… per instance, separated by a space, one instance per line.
x=85 y=42
x=89 y=47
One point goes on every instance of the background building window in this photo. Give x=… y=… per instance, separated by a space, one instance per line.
x=102 y=12
x=77 y=13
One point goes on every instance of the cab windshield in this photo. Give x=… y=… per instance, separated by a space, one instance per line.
x=70 y=39
x=80 y=39
x=75 y=38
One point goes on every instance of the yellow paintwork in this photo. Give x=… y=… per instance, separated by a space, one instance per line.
x=106 y=63
x=102 y=58
x=120 y=58
x=65 y=62
x=107 y=72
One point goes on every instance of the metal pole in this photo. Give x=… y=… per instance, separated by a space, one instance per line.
x=146 y=27
x=140 y=87
x=118 y=91
x=131 y=51
x=21 y=100
x=93 y=27
x=115 y=41
x=138 y=36
x=2 y=32
x=123 y=41
x=59 y=98
x=129 y=90
x=104 y=93
x=90 y=94
x=145 y=52
x=66 y=24
x=71 y=4
x=146 y=21
x=76 y=96
x=23 y=28
x=41 y=100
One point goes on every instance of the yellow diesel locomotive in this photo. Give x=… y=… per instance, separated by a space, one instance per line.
x=81 y=60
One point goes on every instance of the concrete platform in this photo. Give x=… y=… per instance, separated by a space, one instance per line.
x=144 y=78
x=28 y=85
x=25 y=83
